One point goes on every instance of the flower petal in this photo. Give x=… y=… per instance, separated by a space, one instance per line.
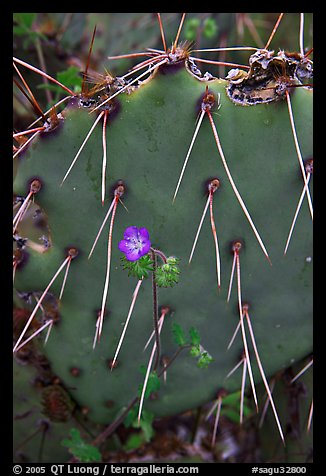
x=131 y=232
x=143 y=233
x=136 y=243
x=145 y=248
x=134 y=255
x=124 y=246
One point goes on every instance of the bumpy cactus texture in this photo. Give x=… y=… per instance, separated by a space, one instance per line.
x=148 y=136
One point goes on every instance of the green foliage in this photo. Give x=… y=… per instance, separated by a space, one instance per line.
x=210 y=28
x=204 y=359
x=134 y=441
x=70 y=78
x=191 y=28
x=167 y=275
x=231 y=406
x=145 y=423
x=139 y=268
x=178 y=334
x=196 y=349
x=84 y=452
x=23 y=27
x=193 y=25
x=153 y=383
x=194 y=336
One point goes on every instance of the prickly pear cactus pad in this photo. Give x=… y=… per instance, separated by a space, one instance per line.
x=242 y=148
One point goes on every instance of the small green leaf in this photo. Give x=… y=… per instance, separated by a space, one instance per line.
x=194 y=336
x=146 y=424
x=195 y=351
x=140 y=268
x=24 y=20
x=204 y=360
x=84 y=452
x=70 y=77
x=210 y=28
x=178 y=334
x=191 y=28
x=231 y=406
x=130 y=417
x=153 y=383
x=134 y=441
x=167 y=275
x=231 y=414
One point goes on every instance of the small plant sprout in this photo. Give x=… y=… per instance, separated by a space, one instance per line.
x=262 y=373
x=83 y=452
x=118 y=192
x=164 y=311
x=218 y=404
x=72 y=253
x=212 y=187
x=196 y=349
x=309 y=170
x=236 y=247
x=35 y=187
x=139 y=260
x=135 y=245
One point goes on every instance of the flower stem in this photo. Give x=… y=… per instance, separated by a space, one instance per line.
x=160 y=254
x=155 y=310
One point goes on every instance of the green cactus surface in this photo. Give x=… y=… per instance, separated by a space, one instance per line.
x=149 y=130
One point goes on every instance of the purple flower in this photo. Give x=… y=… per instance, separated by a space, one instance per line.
x=135 y=243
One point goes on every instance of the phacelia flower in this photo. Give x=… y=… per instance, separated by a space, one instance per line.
x=135 y=243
